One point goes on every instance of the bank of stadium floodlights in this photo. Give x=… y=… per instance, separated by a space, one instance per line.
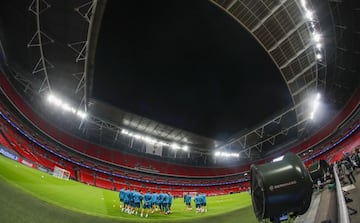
x=40 y=39
x=290 y=32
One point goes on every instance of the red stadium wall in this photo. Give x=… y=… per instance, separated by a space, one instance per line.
x=106 y=154
x=346 y=147
x=36 y=156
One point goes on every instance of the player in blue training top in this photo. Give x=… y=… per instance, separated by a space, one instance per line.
x=126 y=200
x=137 y=200
x=154 y=202
x=159 y=202
x=121 y=197
x=197 y=201
x=131 y=202
x=170 y=203
x=203 y=203
x=165 y=203
x=188 y=201
x=147 y=204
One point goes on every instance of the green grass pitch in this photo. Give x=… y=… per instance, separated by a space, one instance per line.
x=28 y=195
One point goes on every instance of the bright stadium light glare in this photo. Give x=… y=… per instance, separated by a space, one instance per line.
x=153 y=141
x=57 y=101
x=185 y=148
x=226 y=154
x=66 y=107
x=312 y=115
x=81 y=114
x=148 y=140
x=175 y=146
x=318 y=56
x=316 y=37
x=303 y=3
x=309 y=15
x=50 y=98
x=314 y=105
x=278 y=159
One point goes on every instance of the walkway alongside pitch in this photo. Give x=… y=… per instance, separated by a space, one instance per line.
x=322 y=207
x=354 y=195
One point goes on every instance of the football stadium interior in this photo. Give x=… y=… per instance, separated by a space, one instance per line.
x=253 y=103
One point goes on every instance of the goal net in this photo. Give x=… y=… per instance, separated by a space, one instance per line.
x=61 y=173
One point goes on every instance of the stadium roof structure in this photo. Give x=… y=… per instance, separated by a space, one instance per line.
x=50 y=46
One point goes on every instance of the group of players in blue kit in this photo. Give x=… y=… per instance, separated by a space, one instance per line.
x=131 y=201
x=200 y=202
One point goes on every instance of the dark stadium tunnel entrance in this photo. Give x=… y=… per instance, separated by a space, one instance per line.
x=191 y=66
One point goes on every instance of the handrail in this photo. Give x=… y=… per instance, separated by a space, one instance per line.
x=343 y=215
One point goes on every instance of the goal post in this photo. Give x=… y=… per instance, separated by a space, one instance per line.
x=61 y=173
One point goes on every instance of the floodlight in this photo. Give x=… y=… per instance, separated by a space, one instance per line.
x=226 y=154
x=50 y=98
x=318 y=56
x=303 y=3
x=314 y=105
x=175 y=146
x=66 y=107
x=278 y=159
x=81 y=114
x=312 y=115
x=316 y=37
x=57 y=101
x=185 y=148
x=309 y=15
x=147 y=139
x=280 y=188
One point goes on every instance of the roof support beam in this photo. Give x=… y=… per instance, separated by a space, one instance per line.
x=268 y=15
x=86 y=11
x=301 y=73
x=303 y=87
x=38 y=40
x=231 y=4
x=288 y=34
x=289 y=61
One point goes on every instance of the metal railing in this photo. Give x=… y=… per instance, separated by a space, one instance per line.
x=343 y=215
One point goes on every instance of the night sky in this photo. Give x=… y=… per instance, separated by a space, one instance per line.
x=186 y=64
